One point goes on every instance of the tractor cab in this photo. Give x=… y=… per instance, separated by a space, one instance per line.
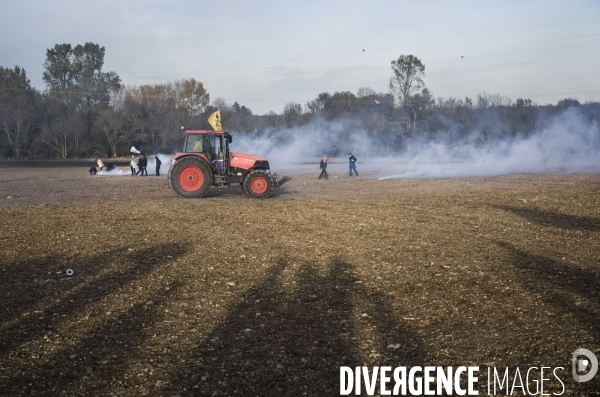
x=215 y=146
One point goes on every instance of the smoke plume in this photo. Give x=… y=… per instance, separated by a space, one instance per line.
x=566 y=142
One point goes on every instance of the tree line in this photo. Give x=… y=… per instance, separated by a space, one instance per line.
x=87 y=112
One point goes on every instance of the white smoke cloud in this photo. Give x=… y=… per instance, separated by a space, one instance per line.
x=114 y=172
x=165 y=160
x=568 y=142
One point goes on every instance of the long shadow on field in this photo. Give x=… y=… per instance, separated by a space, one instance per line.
x=104 y=359
x=291 y=333
x=30 y=310
x=555 y=219
x=568 y=288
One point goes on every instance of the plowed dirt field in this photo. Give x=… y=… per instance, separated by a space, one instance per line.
x=227 y=295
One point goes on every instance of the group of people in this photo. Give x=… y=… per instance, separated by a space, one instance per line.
x=323 y=166
x=139 y=163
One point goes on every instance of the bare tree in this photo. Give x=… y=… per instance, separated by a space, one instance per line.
x=19 y=126
x=407 y=77
x=59 y=134
x=220 y=103
x=364 y=92
x=291 y=113
x=18 y=104
x=417 y=107
x=492 y=100
x=112 y=127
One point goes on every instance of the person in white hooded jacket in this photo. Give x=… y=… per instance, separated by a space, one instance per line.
x=134 y=164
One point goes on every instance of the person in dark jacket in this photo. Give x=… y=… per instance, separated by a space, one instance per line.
x=323 y=167
x=158 y=163
x=142 y=166
x=92 y=170
x=144 y=170
x=352 y=164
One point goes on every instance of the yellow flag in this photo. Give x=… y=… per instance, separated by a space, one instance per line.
x=215 y=120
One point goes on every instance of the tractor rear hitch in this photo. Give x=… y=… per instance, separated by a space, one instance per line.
x=281 y=181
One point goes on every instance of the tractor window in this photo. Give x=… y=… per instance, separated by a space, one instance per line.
x=219 y=144
x=209 y=145
x=194 y=144
x=203 y=143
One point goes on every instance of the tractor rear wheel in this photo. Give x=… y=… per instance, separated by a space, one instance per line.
x=190 y=177
x=258 y=184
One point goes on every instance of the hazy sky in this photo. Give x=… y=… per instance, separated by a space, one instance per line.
x=265 y=53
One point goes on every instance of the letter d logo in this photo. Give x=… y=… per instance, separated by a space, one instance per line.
x=582 y=364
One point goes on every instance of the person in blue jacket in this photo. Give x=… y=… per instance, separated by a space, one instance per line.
x=352 y=163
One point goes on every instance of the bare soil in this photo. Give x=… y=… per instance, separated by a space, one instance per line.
x=227 y=295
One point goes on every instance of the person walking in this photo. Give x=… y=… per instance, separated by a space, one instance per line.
x=158 y=163
x=352 y=164
x=138 y=164
x=144 y=165
x=141 y=166
x=133 y=165
x=323 y=167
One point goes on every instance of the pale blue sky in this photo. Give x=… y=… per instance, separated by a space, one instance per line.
x=265 y=53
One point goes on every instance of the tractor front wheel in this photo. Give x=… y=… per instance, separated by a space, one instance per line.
x=258 y=184
x=190 y=177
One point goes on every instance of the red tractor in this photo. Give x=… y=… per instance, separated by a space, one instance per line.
x=206 y=161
